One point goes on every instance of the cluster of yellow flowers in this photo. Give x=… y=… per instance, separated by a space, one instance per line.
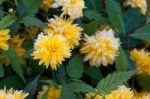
x=65 y=27
x=142 y=60
x=54 y=45
x=71 y=7
x=57 y=41
x=53 y=92
x=12 y=94
x=121 y=93
x=142 y=4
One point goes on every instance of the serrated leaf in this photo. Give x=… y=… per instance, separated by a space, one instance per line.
x=13 y=59
x=122 y=61
x=31 y=88
x=32 y=21
x=142 y=33
x=1 y=70
x=80 y=87
x=75 y=66
x=12 y=82
x=7 y=21
x=32 y=6
x=115 y=15
x=112 y=81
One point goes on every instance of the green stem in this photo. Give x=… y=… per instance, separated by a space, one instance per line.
x=31 y=36
x=16 y=2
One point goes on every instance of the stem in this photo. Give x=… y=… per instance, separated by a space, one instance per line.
x=16 y=2
x=30 y=34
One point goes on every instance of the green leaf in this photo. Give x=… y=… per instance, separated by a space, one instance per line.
x=94 y=4
x=112 y=81
x=75 y=66
x=122 y=61
x=13 y=59
x=28 y=53
x=1 y=1
x=12 y=82
x=31 y=88
x=80 y=87
x=143 y=81
x=1 y=70
x=32 y=21
x=91 y=27
x=93 y=72
x=2 y=14
x=115 y=15
x=7 y=21
x=91 y=14
x=142 y=33
x=66 y=92
x=132 y=19
x=32 y=6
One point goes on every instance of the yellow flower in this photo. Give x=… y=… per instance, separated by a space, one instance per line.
x=12 y=94
x=101 y=49
x=142 y=4
x=74 y=8
x=46 y=4
x=121 y=93
x=92 y=96
x=141 y=95
x=51 y=50
x=72 y=32
x=17 y=42
x=53 y=93
x=4 y=37
x=142 y=60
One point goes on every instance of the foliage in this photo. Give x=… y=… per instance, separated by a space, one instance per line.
x=75 y=76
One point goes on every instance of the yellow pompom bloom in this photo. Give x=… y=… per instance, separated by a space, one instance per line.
x=101 y=49
x=142 y=60
x=142 y=4
x=65 y=27
x=92 y=96
x=53 y=93
x=121 y=93
x=12 y=94
x=51 y=50
x=141 y=95
x=46 y=4
x=74 y=8
x=4 y=37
